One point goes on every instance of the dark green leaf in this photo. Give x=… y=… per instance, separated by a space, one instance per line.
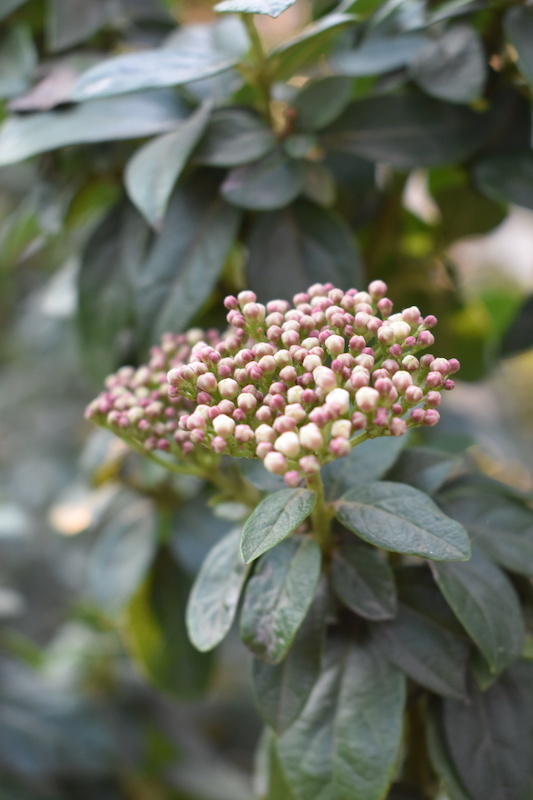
x=402 y=519
x=271 y=7
x=18 y=59
x=452 y=67
x=187 y=257
x=299 y=246
x=368 y=461
x=8 y=6
x=319 y=184
x=424 y=468
x=428 y=653
x=195 y=530
x=99 y=121
x=269 y=781
x=272 y=182
x=234 y=136
x=418 y=590
x=282 y=690
x=320 y=102
x=481 y=670
x=215 y=594
x=363 y=581
x=485 y=602
x=274 y=519
x=507 y=178
x=122 y=555
x=157 y=637
x=278 y=596
x=440 y=756
x=465 y=211
x=378 y=54
x=519 y=335
x=309 y=45
x=489 y=738
x=407 y=131
x=154 y=169
x=518 y=23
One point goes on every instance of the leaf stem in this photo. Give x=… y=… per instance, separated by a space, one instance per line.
x=321 y=515
x=261 y=71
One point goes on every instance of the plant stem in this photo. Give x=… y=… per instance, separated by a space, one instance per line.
x=261 y=71
x=321 y=515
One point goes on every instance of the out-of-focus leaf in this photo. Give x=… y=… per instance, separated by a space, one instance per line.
x=154 y=169
x=282 y=690
x=311 y=43
x=269 y=781
x=215 y=594
x=378 y=54
x=8 y=6
x=273 y=8
x=519 y=335
x=407 y=131
x=320 y=102
x=363 y=581
x=518 y=24
x=149 y=70
x=464 y=212
x=53 y=90
x=156 y=635
x=70 y=22
x=368 y=461
x=270 y=183
x=18 y=59
x=400 y=518
x=452 y=67
x=234 y=136
x=441 y=758
x=105 y=287
x=424 y=468
x=319 y=184
x=418 y=591
x=485 y=602
x=299 y=246
x=99 y=121
x=195 y=530
x=187 y=257
x=122 y=555
x=274 y=519
x=278 y=596
x=507 y=178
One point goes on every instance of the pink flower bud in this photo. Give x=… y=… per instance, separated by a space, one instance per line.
x=413 y=394
x=288 y=374
x=430 y=321
x=342 y=428
x=417 y=415
x=274 y=333
x=295 y=411
x=196 y=421
x=411 y=315
x=311 y=437
x=396 y=409
x=359 y=421
x=410 y=363
x=263 y=448
x=426 y=361
x=290 y=337
x=339 y=400
x=311 y=362
x=247 y=402
x=334 y=344
x=434 y=380
x=360 y=377
x=441 y=365
x=254 y=312
x=231 y=302
x=397 y=426
x=292 y=479
x=284 y=423
x=325 y=378
x=277 y=402
x=226 y=407
x=357 y=343
x=282 y=358
x=264 y=433
x=431 y=417
x=310 y=465
x=385 y=307
x=197 y=436
x=218 y=444
x=274 y=318
x=449 y=384
x=377 y=289
x=365 y=360
x=246 y=297
x=263 y=414
x=244 y=434
x=267 y=364
x=454 y=365
x=425 y=339
x=433 y=399
x=401 y=380
x=228 y=388
x=239 y=415
x=207 y=382
x=367 y=399
x=381 y=417
x=395 y=350
x=275 y=463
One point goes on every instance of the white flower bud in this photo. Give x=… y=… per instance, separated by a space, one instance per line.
x=402 y=380
x=401 y=331
x=295 y=411
x=311 y=437
x=288 y=444
x=275 y=463
x=264 y=433
x=339 y=400
x=335 y=344
x=294 y=394
x=325 y=378
x=341 y=427
x=228 y=388
x=311 y=362
x=367 y=398
x=223 y=425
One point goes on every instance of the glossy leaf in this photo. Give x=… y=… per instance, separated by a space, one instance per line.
x=154 y=169
x=378 y=54
x=321 y=101
x=424 y=468
x=187 y=258
x=156 y=635
x=402 y=519
x=278 y=596
x=215 y=594
x=272 y=182
x=277 y=516
x=518 y=23
x=363 y=581
x=149 y=70
x=507 y=178
x=234 y=136
x=368 y=461
x=406 y=131
x=486 y=603
x=281 y=690
x=297 y=246
x=489 y=739
x=441 y=758
x=18 y=59
x=452 y=67
x=428 y=653
x=98 y=121
x=273 y=8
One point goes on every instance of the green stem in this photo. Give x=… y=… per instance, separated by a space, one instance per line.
x=261 y=71
x=321 y=515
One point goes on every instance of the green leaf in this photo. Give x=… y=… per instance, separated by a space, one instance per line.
x=195 y=530
x=452 y=67
x=187 y=258
x=234 y=136
x=507 y=178
x=123 y=554
x=309 y=45
x=272 y=182
x=424 y=468
x=486 y=603
x=298 y=246
x=275 y=517
x=363 y=581
x=8 y=6
x=269 y=781
x=418 y=590
x=368 y=461
x=215 y=594
x=407 y=131
x=281 y=690
x=273 y=8
x=321 y=101
x=278 y=596
x=440 y=756
x=428 y=653
x=18 y=59
x=465 y=211
x=156 y=635
x=402 y=519
x=519 y=335
x=489 y=738
x=518 y=24
x=154 y=169
x=378 y=54
x=70 y=22
x=319 y=184
x=98 y=121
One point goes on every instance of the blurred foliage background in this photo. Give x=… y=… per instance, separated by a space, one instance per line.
x=394 y=144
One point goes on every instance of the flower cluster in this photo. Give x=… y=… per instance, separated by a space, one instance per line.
x=294 y=385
